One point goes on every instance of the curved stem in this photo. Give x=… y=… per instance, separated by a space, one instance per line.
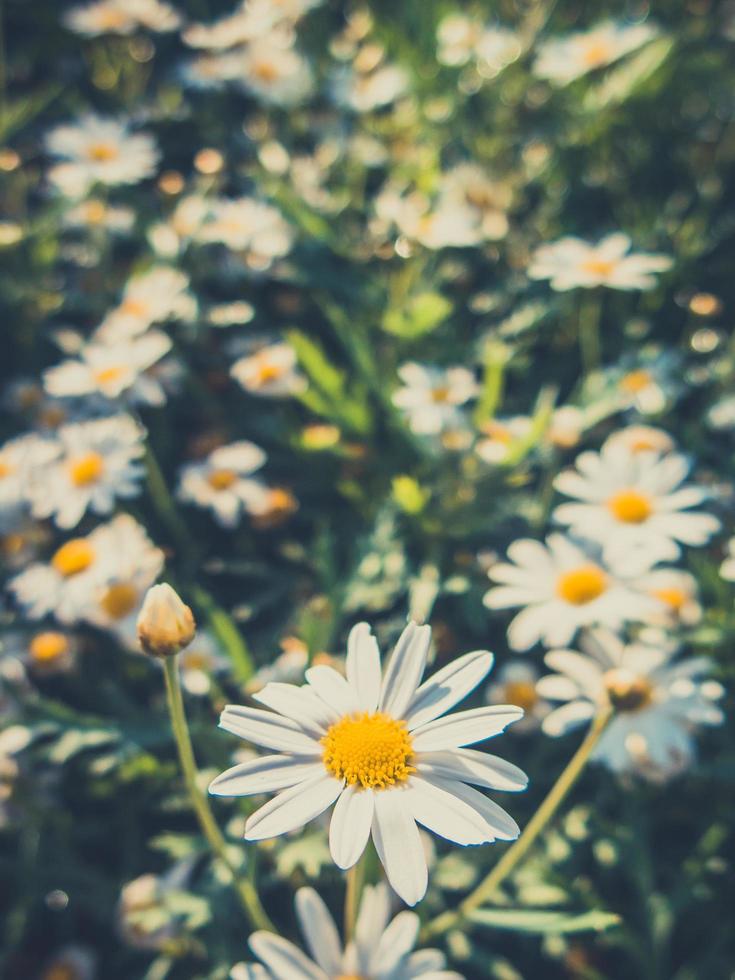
x=556 y=796
x=245 y=889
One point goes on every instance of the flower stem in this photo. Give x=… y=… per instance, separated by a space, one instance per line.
x=355 y=883
x=245 y=889
x=489 y=886
x=590 y=309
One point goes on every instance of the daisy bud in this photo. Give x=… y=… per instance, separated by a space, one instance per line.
x=165 y=624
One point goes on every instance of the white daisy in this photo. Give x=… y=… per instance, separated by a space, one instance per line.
x=447 y=222
x=271 y=370
x=223 y=482
x=99 y=151
x=252 y=228
x=656 y=702
x=572 y=262
x=364 y=91
x=641 y=439
x=20 y=458
x=500 y=436
x=160 y=294
x=121 y=17
x=431 y=396
x=94 y=214
x=376 y=744
x=273 y=71
x=43 y=653
x=727 y=568
x=96 y=464
x=678 y=593
x=562 y=60
x=634 y=500
x=564 y=587
x=380 y=950
x=472 y=187
x=516 y=684
x=461 y=39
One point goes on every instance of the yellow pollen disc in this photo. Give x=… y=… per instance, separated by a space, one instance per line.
x=596 y=53
x=103 y=152
x=635 y=381
x=5 y=469
x=221 y=479
x=627 y=691
x=45 y=647
x=522 y=694
x=106 y=375
x=581 y=585
x=119 y=600
x=440 y=395
x=86 y=469
x=195 y=660
x=134 y=307
x=642 y=445
x=94 y=212
x=73 y=557
x=370 y=750
x=266 y=71
x=497 y=432
x=630 y=506
x=266 y=372
x=599 y=267
x=675 y=598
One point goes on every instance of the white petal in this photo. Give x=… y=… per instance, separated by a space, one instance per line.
x=349 y=829
x=568 y=716
x=270 y=730
x=444 y=814
x=405 y=670
x=363 y=666
x=283 y=959
x=581 y=669
x=293 y=807
x=264 y=775
x=557 y=688
x=372 y=919
x=447 y=687
x=395 y=944
x=319 y=931
x=333 y=689
x=500 y=824
x=471 y=766
x=465 y=727
x=300 y=703
x=399 y=846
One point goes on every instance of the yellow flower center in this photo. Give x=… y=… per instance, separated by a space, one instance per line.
x=119 y=600
x=5 y=469
x=46 y=647
x=635 y=381
x=221 y=479
x=86 y=469
x=107 y=375
x=94 y=212
x=675 y=598
x=440 y=395
x=627 y=691
x=599 y=267
x=630 y=506
x=111 y=18
x=103 y=152
x=266 y=372
x=522 y=694
x=581 y=585
x=73 y=557
x=60 y=971
x=370 y=750
x=595 y=53
x=195 y=660
x=497 y=432
x=266 y=71
x=134 y=307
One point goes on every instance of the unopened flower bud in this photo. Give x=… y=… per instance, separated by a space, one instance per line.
x=165 y=624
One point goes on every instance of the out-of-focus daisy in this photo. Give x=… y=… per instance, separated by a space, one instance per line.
x=431 y=396
x=96 y=465
x=19 y=459
x=99 y=151
x=472 y=187
x=277 y=506
x=727 y=568
x=678 y=594
x=223 y=482
x=121 y=17
x=376 y=744
x=94 y=214
x=276 y=73
x=570 y=263
x=230 y=314
x=112 y=370
x=288 y=667
x=564 y=59
x=634 y=500
x=641 y=439
x=447 y=222
x=43 y=653
x=200 y=661
x=371 y=88
x=148 y=916
x=380 y=949
x=251 y=20
x=721 y=415
x=566 y=427
x=461 y=39
x=169 y=238
x=563 y=588
x=256 y=230
x=657 y=702
x=160 y=294
x=516 y=684
x=271 y=370
x=71 y=963
x=499 y=436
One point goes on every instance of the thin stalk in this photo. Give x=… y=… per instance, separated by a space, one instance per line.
x=538 y=822
x=245 y=889
x=355 y=884
x=590 y=347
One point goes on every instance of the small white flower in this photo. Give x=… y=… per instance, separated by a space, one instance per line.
x=274 y=72
x=376 y=745
x=223 y=482
x=657 y=702
x=99 y=151
x=230 y=314
x=95 y=465
x=160 y=294
x=572 y=262
x=500 y=436
x=461 y=39
x=562 y=60
x=94 y=214
x=516 y=684
x=722 y=414
x=563 y=588
x=199 y=662
x=445 y=223
x=678 y=594
x=43 y=653
x=244 y=225
x=634 y=501
x=271 y=371
x=364 y=91
x=121 y=17
x=641 y=439
x=20 y=458
x=727 y=568
x=431 y=396
x=380 y=949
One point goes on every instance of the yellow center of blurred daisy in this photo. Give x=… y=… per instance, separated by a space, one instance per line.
x=119 y=600
x=134 y=307
x=522 y=694
x=5 y=469
x=60 y=972
x=266 y=372
x=440 y=395
x=581 y=585
x=630 y=506
x=627 y=691
x=370 y=750
x=596 y=53
x=635 y=381
x=73 y=557
x=599 y=267
x=86 y=469
x=221 y=479
x=94 y=212
x=106 y=375
x=675 y=598
x=103 y=152
x=45 y=647
x=265 y=71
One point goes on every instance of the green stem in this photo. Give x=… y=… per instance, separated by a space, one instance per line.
x=590 y=348
x=538 y=822
x=355 y=884
x=200 y=804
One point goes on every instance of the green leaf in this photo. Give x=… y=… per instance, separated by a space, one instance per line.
x=317 y=366
x=543 y=921
x=421 y=315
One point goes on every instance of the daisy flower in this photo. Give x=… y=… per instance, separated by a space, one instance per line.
x=633 y=500
x=365 y=91
x=516 y=684
x=223 y=482
x=641 y=439
x=656 y=702
x=562 y=60
x=470 y=186
x=564 y=587
x=19 y=459
x=112 y=370
x=461 y=39
x=96 y=464
x=257 y=230
x=121 y=17
x=445 y=223
x=572 y=262
x=94 y=214
x=678 y=594
x=158 y=295
x=44 y=653
x=376 y=745
x=271 y=371
x=380 y=950
x=273 y=71
x=727 y=568
x=99 y=151
x=500 y=436
x=199 y=661
x=431 y=396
